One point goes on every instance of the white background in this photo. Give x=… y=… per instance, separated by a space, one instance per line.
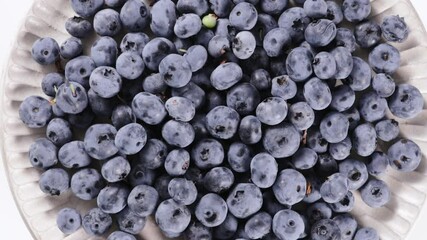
x=11 y=225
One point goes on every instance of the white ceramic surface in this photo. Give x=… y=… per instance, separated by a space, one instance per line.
x=23 y=77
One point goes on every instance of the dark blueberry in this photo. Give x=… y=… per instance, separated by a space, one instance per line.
x=367 y=34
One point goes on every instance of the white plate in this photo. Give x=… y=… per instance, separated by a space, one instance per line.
x=23 y=77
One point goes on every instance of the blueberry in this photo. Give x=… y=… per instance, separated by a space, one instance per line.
x=172 y=217
x=334 y=188
x=105 y=82
x=78 y=27
x=316 y=8
x=244 y=98
x=345 y=38
x=149 y=108
x=187 y=25
x=227 y=228
x=86 y=183
x=211 y=210
x=45 y=51
x=104 y=51
x=175 y=71
x=318 y=211
x=59 y=131
x=316 y=142
x=239 y=157
x=347 y=225
x=71 y=48
x=395 y=29
x=353 y=116
x=197 y=57
x=86 y=8
x=68 y=220
x=326 y=166
x=163 y=18
x=222 y=122
x=199 y=7
x=320 y=33
x=258 y=225
x=367 y=34
x=375 y=193
x=35 y=112
x=276 y=41
x=356 y=10
x=244 y=45
x=406 y=102
x=317 y=94
x=356 y=172
x=288 y=224
x=218 y=46
x=304 y=158
x=264 y=170
x=265 y=24
x=82 y=120
x=177 y=162
x=196 y=231
x=343 y=98
x=360 y=77
x=334 y=12
x=72 y=98
x=153 y=154
x=154 y=84
x=221 y=8
x=261 y=79
x=250 y=130
x=324 y=65
x=299 y=64
x=384 y=58
x=295 y=21
x=366 y=234
x=134 y=42
x=387 y=130
x=340 y=150
x=130 y=222
x=301 y=115
x=207 y=153
x=372 y=107
x=101 y=107
x=344 y=62
x=383 y=85
x=379 y=163
x=272 y=111
x=119 y=235
x=226 y=75
x=54 y=181
x=284 y=87
x=218 y=179
x=273 y=7
x=334 y=127
x=178 y=134
x=364 y=139
x=73 y=155
x=107 y=22
x=122 y=115
x=140 y=175
x=115 y=169
x=130 y=65
x=325 y=229
x=244 y=200
x=282 y=140
x=135 y=15
x=290 y=187
x=192 y=92
x=113 y=198
x=43 y=153
x=155 y=50
x=99 y=141
x=243 y=16
x=142 y=200
x=131 y=138
x=96 y=222
x=79 y=70
x=404 y=155
x=51 y=82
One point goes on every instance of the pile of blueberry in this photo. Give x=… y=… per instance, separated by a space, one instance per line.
x=223 y=119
